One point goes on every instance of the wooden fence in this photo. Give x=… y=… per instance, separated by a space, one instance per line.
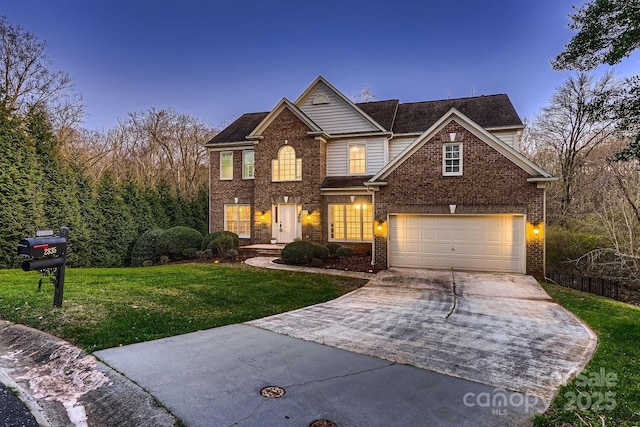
x=593 y=285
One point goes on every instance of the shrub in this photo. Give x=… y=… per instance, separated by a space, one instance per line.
x=297 y=252
x=344 y=251
x=163 y=260
x=205 y=255
x=174 y=241
x=316 y=262
x=223 y=242
x=206 y=240
x=231 y=254
x=147 y=263
x=145 y=248
x=565 y=245
x=333 y=247
x=190 y=253
x=320 y=251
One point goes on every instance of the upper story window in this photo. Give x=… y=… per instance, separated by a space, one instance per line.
x=248 y=164
x=452 y=159
x=286 y=167
x=357 y=159
x=226 y=165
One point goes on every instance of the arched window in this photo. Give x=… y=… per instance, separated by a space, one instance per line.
x=286 y=167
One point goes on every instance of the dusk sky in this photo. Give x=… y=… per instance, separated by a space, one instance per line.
x=218 y=59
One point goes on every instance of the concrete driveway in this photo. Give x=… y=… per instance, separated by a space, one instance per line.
x=497 y=329
x=507 y=343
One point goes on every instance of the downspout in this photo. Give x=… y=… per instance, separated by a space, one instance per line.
x=544 y=234
x=373 y=226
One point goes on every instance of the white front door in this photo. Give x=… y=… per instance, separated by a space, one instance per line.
x=286 y=224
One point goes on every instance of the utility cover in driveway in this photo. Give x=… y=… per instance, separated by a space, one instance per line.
x=472 y=242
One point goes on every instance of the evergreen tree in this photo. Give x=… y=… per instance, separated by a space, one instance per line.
x=115 y=229
x=20 y=199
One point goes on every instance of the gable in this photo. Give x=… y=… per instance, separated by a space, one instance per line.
x=335 y=114
x=492 y=141
x=283 y=105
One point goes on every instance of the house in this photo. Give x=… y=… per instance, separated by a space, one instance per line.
x=437 y=184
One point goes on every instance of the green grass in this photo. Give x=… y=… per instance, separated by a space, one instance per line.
x=108 y=307
x=617 y=357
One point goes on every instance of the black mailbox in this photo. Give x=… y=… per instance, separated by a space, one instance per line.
x=48 y=254
x=42 y=247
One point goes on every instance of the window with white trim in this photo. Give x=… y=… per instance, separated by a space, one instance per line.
x=248 y=164
x=452 y=159
x=226 y=165
x=286 y=167
x=350 y=222
x=237 y=219
x=357 y=159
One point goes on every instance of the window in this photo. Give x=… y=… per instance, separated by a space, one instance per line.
x=248 y=165
x=357 y=159
x=226 y=165
x=237 y=219
x=286 y=167
x=452 y=159
x=350 y=222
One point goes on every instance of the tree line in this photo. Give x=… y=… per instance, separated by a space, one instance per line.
x=108 y=187
x=589 y=137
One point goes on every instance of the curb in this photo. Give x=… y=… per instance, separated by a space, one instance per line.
x=64 y=386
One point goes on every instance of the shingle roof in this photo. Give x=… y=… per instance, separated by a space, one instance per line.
x=487 y=111
x=239 y=129
x=383 y=112
x=492 y=111
x=345 y=181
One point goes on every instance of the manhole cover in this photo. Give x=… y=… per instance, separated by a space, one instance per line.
x=272 y=392
x=323 y=423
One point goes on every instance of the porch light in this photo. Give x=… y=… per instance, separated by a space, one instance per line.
x=379 y=227
x=536 y=229
x=262 y=216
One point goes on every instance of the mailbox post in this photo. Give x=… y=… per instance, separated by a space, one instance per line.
x=47 y=253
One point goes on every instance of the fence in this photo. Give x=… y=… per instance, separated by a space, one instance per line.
x=593 y=285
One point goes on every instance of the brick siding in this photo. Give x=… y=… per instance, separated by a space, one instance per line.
x=490 y=184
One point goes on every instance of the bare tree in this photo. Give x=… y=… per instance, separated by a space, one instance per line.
x=365 y=95
x=152 y=147
x=580 y=117
x=26 y=80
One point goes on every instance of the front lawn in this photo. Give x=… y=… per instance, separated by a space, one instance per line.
x=108 y=307
x=607 y=392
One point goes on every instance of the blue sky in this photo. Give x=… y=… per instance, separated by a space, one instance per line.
x=218 y=59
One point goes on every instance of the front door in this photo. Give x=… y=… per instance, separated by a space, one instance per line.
x=286 y=226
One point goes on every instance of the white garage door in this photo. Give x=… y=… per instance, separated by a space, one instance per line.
x=481 y=243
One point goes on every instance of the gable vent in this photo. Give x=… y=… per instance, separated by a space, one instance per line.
x=320 y=99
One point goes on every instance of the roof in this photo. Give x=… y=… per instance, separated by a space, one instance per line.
x=491 y=111
x=345 y=181
x=239 y=129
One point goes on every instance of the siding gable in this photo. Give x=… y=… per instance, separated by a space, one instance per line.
x=336 y=116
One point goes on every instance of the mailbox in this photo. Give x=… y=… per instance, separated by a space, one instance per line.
x=42 y=247
x=48 y=255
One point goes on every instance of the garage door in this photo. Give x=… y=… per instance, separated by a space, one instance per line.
x=481 y=243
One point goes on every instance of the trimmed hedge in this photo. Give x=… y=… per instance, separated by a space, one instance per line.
x=320 y=252
x=344 y=251
x=333 y=247
x=174 y=241
x=223 y=242
x=298 y=252
x=145 y=248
